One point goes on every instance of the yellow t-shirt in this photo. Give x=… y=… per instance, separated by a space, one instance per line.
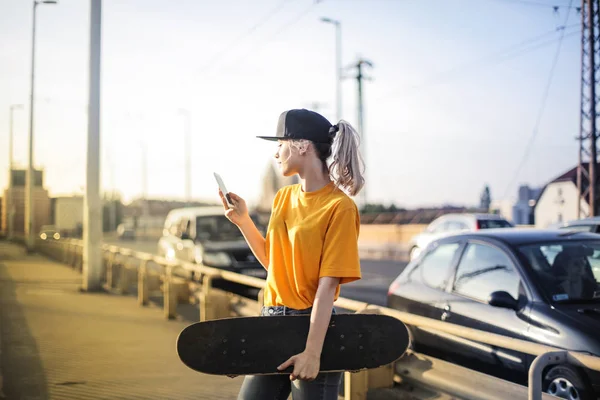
x=310 y=235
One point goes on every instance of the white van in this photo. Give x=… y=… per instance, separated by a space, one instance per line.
x=204 y=235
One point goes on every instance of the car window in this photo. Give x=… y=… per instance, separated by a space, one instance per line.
x=436 y=265
x=216 y=228
x=566 y=270
x=483 y=270
x=174 y=227
x=493 y=223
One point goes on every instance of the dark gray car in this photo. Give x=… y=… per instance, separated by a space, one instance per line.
x=536 y=285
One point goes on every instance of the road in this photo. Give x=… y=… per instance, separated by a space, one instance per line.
x=377 y=275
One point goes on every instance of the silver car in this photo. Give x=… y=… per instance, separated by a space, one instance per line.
x=454 y=223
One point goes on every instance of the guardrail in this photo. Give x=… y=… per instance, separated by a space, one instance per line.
x=121 y=265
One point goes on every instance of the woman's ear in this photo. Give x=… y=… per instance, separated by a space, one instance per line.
x=304 y=148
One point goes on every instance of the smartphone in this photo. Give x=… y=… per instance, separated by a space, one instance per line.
x=223 y=189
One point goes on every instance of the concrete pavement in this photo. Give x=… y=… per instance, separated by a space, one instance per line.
x=59 y=343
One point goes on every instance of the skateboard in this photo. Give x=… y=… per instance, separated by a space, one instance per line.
x=258 y=345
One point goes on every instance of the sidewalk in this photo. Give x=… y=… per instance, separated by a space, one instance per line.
x=58 y=343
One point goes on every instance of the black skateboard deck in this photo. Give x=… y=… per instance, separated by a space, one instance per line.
x=258 y=345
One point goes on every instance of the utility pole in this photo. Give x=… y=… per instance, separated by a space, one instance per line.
x=359 y=65
x=188 y=156
x=145 y=210
x=587 y=178
x=338 y=65
x=10 y=206
x=30 y=177
x=92 y=217
x=144 y=170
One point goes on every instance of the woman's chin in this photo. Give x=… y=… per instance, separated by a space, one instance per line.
x=284 y=171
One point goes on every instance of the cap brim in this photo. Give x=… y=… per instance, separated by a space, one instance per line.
x=272 y=138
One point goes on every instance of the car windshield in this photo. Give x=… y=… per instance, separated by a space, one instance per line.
x=568 y=271
x=216 y=228
x=494 y=223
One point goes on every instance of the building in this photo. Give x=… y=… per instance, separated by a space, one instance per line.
x=558 y=200
x=523 y=211
x=67 y=215
x=14 y=196
x=503 y=208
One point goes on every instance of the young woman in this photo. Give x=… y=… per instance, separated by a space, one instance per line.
x=310 y=248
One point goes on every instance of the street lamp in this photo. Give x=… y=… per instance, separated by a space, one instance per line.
x=338 y=66
x=30 y=177
x=9 y=201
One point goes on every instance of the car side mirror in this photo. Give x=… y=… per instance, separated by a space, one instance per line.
x=502 y=299
x=185 y=236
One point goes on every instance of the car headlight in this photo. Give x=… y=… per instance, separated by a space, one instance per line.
x=56 y=236
x=43 y=236
x=218 y=259
x=170 y=254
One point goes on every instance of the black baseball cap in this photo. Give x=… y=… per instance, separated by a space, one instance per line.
x=303 y=124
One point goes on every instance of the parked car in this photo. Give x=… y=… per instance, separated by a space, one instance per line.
x=125 y=232
x=204 y=235
x=49 y=232
x=591 y=224
x=454 y=223
x=541 y=286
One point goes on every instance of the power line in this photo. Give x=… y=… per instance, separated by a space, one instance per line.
x=283 y=28
x=556 y=7
x=534 y=134
x=246 y=34
x=523 y=47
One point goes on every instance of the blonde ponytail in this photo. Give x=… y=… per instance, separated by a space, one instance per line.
x=347 y=165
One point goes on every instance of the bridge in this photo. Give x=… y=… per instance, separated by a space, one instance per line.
x=58 y=342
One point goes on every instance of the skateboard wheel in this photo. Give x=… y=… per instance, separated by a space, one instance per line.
x=342 y=348
x=342 y=336
x=243 y=351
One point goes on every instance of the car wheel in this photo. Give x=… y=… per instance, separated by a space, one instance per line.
x=414 y=253
x=565 y=382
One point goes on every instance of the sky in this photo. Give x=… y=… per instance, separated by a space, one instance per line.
x=456 y=92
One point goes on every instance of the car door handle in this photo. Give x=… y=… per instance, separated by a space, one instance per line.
x=446 y=312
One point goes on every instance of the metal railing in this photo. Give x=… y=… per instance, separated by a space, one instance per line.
x=215 y=303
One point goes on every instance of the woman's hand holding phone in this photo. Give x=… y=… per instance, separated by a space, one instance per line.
x=239 y=212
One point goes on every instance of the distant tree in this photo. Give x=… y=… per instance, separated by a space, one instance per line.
x=378 y=208
x=373 y=208
x=485 y=200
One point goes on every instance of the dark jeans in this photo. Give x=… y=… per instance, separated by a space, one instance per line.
x=278 y=387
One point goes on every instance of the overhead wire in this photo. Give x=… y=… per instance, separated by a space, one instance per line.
x=282 y=29
x=539 y=4
x=541 y=110
x=513 y=51
x=217 y=57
